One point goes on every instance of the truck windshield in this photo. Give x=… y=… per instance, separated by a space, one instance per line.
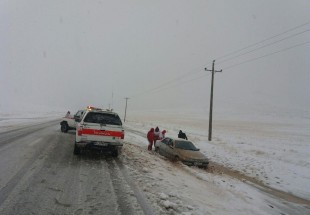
x=103 y=118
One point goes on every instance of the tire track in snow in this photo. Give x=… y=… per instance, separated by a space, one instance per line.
x=141 y=198
x=218 y=169
x=7 y=189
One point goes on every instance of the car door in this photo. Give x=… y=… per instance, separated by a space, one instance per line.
x=71 y=121
x=78 y=116
x=170 y=153
x=167 y=147
x=162 y=145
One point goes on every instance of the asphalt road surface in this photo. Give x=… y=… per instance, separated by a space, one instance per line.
x=40 y=175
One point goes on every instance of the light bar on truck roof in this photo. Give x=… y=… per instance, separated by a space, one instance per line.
x=92 y=108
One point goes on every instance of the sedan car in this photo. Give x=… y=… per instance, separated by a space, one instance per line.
x=181 y=150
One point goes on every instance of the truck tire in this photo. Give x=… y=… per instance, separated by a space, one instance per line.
x=64 y=127
x=76 y=150
x=116 y=151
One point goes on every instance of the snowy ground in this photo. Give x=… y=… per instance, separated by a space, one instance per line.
x=274 y=152
x=13 y=120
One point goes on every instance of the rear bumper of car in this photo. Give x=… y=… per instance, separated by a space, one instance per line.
x=99 y=145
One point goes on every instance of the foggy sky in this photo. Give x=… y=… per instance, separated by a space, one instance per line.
x=68 y=54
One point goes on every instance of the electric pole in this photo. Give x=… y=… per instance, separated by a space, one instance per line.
x=125 y=109
x=211 y=100
x=112 y=102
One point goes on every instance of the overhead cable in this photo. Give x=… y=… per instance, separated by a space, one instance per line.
x=181 y=83
x=167 y=83
x=262 y=41
x=269 y=44
x=253 y=59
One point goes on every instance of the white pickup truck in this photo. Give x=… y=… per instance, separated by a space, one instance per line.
x=99 y=130
x=69 y=122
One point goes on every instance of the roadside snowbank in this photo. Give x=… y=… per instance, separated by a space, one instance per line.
x=173 y=188
x=274 y=152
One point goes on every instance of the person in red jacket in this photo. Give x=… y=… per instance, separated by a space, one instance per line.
x=150 y=138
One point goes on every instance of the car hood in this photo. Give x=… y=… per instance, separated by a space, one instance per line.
x=191 y=155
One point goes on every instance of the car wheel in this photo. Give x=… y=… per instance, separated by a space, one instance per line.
x=76 y=150
x=176 y=158
x=157 y=149
x=64 y=127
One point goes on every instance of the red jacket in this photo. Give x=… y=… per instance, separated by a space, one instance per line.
x=150 y=135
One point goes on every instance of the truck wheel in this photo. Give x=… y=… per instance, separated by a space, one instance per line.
x=64 y=127
x=115 y=152
x=76 y=150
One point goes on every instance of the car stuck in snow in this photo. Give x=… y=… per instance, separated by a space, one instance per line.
x=182 y=150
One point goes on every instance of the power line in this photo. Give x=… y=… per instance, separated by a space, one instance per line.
x=162 y=86
x=262 y=41
x=253 y=59
x=167 y=83
x=181 y=83
x=165 y=86
x=269 y=44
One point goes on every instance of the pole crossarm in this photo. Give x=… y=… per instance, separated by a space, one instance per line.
x=210 y=70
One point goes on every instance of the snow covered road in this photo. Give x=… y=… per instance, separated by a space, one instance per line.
x=40 y=175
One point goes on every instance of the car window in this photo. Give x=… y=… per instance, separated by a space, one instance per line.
x=103 y=118
x=166 y=140
x=186 y=145
x=79 y=113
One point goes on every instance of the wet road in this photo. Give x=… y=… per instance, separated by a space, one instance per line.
x=40 y=175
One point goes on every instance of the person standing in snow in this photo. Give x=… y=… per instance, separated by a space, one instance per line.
x=182 y=135
x=67 y=114
x=150 y=138
x=162 y=134
x=156 y=134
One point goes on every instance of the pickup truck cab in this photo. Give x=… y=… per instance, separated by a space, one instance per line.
x=99 y=130
x=69 y=122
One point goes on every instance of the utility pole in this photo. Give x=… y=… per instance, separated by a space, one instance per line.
x=112 y=102
x=125 y=109
x=211 y=100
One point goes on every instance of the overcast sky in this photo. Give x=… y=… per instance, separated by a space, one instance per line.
x=71 y=53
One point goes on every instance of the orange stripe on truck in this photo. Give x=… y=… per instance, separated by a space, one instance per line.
x=102 y=133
